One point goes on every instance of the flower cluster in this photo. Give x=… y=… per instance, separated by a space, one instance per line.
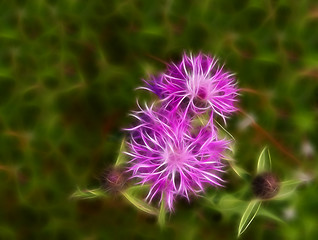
x=167 y=148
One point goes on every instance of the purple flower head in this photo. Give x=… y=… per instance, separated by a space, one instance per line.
x=200 y=83
x=172 y=157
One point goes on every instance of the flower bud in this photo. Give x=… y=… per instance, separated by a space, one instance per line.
x=113 y=180
x=265 y=185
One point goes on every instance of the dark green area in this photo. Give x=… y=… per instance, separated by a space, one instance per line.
x=68 y=70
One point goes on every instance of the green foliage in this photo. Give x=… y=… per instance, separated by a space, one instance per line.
x=264 y=163
x=249 y=215
x=87 y=194
x=130 y=195
x=68 y=70
x=162 y=214
x=287 y=188
x=121 y=158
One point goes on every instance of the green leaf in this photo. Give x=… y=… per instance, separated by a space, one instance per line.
x=229 y=202
x=162 y=214
x=121 y=156
x=238 y=170
x=224 y=130
x=264 y=163
x=287 y=188
x=248 y=215
x=266 y=213
x=202 y=119
x=130 y=195
x=88 y=194
x=137 y=189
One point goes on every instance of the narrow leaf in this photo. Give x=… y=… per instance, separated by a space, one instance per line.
x=203 y=120
x=140 y=204
x=266 y=213
x=287 y=188
x=238 y=170
x=224 y=130
x=137 y=189
x=264 y=162
x=121 y=156
x=88 y=194
x=162 y=214
x=248 y=215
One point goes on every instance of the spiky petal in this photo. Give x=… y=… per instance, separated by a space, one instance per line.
x=200 y=83
x=173 y=158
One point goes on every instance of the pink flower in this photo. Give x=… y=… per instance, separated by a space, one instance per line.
x=197 y=84
x=171 y=156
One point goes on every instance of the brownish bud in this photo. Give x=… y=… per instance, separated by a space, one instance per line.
x=265 y=185
x=113 y=180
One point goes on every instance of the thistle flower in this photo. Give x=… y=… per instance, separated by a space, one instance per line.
x=198 y=82
x=172 y=157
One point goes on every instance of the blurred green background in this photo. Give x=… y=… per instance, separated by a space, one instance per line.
x=68 y=70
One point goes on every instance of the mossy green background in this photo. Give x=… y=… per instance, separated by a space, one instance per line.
x=68 y=70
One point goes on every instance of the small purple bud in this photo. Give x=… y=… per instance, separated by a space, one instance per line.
x=113 y=180
x=265 y=185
